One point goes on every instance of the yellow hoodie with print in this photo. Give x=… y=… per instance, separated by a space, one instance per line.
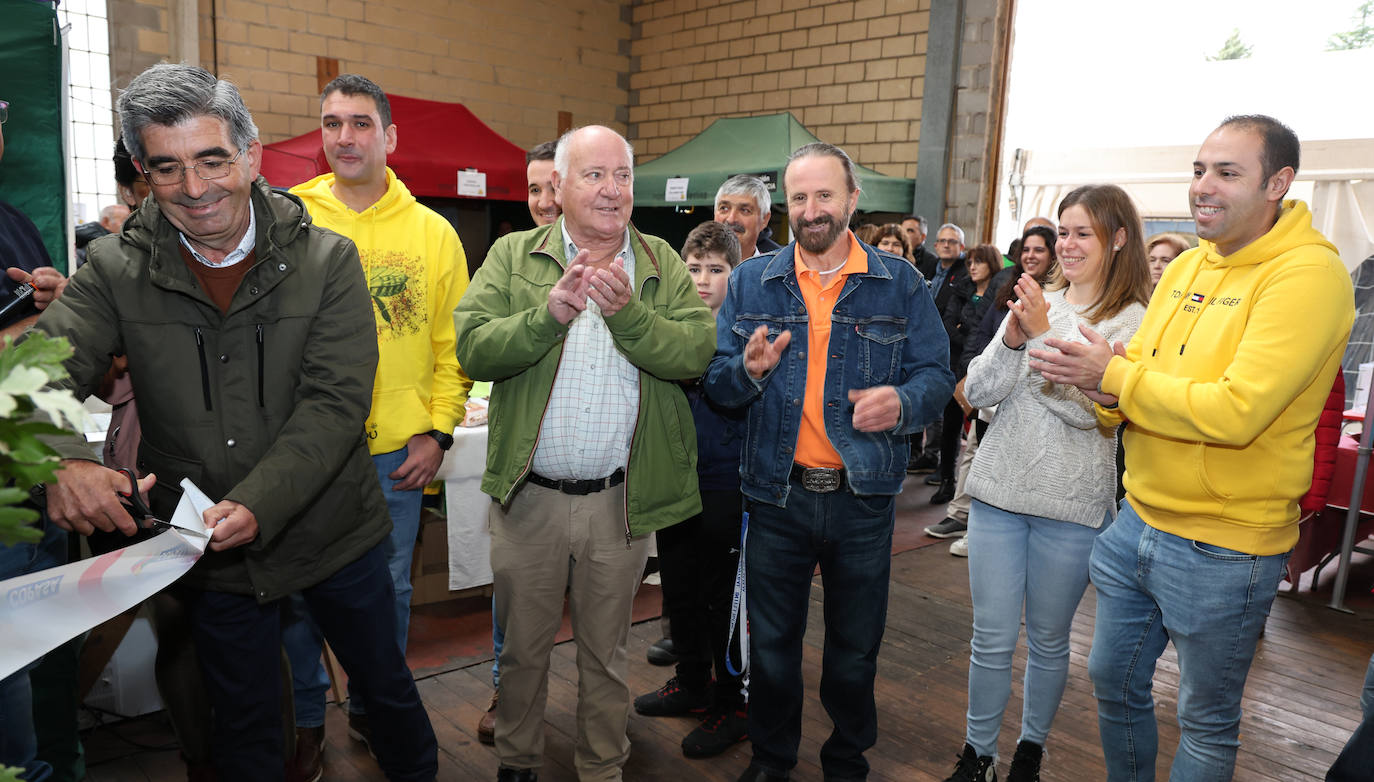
x=1223 y=383
x=416 y=273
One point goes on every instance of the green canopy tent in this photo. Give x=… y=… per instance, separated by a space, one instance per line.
x=749 y=145
x=32 y=176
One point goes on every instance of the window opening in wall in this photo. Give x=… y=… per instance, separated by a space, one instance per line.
x=90 y=116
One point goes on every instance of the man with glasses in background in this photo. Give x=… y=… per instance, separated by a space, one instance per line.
x=239 y=319
x=949 y=286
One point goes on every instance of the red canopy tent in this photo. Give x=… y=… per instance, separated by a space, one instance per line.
x=436 y=141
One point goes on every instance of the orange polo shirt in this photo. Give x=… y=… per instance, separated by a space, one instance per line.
x=819 y=293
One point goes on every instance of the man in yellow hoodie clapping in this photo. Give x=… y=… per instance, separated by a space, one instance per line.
x=1220 y=389
x=416 y=273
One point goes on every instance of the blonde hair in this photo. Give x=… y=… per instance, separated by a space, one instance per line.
x=1178 y=241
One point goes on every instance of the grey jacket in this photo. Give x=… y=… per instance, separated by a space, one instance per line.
x=263 y=406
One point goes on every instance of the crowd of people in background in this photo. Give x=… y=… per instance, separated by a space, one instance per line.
x=754 y=407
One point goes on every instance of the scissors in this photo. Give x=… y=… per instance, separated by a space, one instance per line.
x=140 y=510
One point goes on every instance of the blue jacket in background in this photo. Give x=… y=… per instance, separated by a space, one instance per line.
x=885 y=330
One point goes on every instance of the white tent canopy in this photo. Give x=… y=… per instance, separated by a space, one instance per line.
x=1336 y=179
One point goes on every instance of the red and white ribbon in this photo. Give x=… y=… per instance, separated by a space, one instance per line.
x=40 y=611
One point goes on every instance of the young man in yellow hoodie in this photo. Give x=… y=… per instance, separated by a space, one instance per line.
x=416 y=272
x=1221 y=389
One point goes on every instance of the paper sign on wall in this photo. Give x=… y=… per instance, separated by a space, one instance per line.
x=472 y=182
x=676 y=189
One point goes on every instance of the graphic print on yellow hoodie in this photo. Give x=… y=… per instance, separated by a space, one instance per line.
x=1223 y=384
x=416 y=273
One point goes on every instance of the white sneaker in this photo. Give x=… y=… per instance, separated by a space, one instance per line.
x=959 y=548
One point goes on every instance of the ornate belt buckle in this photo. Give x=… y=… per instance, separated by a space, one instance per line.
x=821 y=480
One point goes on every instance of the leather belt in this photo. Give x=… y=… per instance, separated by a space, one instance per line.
x=821 y=480
x=579 y=487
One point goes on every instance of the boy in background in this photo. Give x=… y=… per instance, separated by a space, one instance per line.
x=698 y=557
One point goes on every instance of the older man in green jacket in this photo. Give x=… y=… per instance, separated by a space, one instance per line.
x=249 y=338
x=585 y=325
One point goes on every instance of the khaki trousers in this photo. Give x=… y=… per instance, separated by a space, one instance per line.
x=545 y=544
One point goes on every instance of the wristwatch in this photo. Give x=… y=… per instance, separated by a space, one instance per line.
x=445 y=441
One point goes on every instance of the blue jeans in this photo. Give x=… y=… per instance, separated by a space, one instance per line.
x=1016 y=559
x=238 y=642
x=851 y=538
x=498 y=640
x=1211 y=602
x=1357 y=758
x=301 y=637
x=18 y=741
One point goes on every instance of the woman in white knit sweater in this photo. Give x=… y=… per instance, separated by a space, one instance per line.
x=1043 y=481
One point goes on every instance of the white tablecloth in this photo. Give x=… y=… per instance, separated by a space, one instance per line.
x=469 y=545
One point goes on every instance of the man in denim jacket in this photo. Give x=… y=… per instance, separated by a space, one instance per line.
x=839 y=354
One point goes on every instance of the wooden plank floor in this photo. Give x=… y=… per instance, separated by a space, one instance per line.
x=1301 y=701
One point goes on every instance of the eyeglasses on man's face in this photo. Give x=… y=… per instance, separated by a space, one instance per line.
x=4 y=111
x=946 y=241
x=174 y=173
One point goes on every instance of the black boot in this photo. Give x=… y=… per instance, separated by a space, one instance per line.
x=943 y=494
x=1025 y=764
x=973 y=767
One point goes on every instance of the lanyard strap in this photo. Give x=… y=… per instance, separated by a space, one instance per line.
x=739 y=614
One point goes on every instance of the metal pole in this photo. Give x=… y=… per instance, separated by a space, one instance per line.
x=1352 y=516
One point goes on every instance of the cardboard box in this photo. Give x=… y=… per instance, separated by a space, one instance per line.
x=429 y=565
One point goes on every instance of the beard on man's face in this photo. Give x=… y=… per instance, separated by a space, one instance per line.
x=818 y=242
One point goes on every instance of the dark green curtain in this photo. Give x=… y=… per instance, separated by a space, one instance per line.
x=31 y=80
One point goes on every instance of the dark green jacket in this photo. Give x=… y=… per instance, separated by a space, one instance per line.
x=506 y=334
x=263 y=406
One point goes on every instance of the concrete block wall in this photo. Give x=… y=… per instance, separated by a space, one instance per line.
x=851 y=71
x=515 y=64
x=139 y=37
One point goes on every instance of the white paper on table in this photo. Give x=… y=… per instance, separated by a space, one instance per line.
x=40 y=611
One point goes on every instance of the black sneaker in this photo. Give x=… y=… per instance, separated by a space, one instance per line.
x=973 y=767
x=720 y=730
x=1025 y=764
x=673 y=700
x=949 y=528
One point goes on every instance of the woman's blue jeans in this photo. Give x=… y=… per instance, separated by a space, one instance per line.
x=1211 y=602
x=1016 y=560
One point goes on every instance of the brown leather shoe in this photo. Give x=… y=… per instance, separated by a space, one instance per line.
x=486 y=727
x=307 y=764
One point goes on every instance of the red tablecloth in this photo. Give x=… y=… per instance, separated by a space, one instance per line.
x=1321 y=534
x=1339 y=495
